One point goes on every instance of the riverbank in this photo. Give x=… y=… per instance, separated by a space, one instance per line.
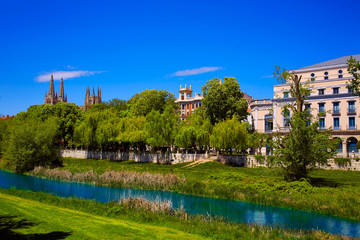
x=331 y=192
x=37 y=215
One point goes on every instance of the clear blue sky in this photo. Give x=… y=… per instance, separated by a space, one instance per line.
x=128 y=46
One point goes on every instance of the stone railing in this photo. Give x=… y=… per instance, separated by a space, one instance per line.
x=138 y=157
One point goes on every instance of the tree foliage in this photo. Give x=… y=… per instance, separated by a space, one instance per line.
x=222 y=100
x=143 y=103
x=160 y=128
x=228 y=134
x=305 y=145
x=354 y=70
x=31 y=143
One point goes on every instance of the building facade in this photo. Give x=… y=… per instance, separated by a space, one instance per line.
x=92 y=99
x=330 y=101
x=51 y=97
x=187 y=102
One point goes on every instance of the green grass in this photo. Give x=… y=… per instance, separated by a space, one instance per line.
x=34 y=215
x=330 y=192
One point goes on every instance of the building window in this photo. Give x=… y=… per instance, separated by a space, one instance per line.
x=286 y=118
x=286 y=94
x=352 y=123
x=313 y=77
x=321 y=107
x=336 y=124
x=326 y=76
x=183 y=106
x=326 y=73
x=336 y=107
x=351 y=107
x=322 y=123
x=321 y=91
x=352 y=145
x=350 y=90
x=200 y=104
x=193 y=106
x=268 y=123
x=340 y=147
x=308 y=107
x=340 y=73
x=336 y=90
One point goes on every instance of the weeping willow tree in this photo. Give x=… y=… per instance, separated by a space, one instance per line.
x=229 y=134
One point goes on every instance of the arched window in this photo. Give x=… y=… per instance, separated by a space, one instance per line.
x=351 y=145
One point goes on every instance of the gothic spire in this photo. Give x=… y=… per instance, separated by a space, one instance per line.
x=51 y=87
x=93 y=92
x=61 y=90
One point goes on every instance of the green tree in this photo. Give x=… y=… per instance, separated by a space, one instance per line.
x=258 y=140
x=31 y=143
x=353 y=69
x=161 y=129
x=305 y=145
x=66 y=114
x=221 y=100
x=228 y=134
x=132 y=133
x=195 y=131
x=143 y=103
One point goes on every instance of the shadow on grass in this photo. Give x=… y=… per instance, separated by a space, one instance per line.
x=322 y=182
x=10 y=223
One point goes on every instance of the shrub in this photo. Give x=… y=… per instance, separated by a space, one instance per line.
x=342 y=162
x=259 y=158
x=31 y=143
x=270 y=160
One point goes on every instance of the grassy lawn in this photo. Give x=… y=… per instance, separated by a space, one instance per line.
x=22 y=219
x=34 y=215
x=330 y=192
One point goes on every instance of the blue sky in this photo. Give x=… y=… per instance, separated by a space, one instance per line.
x=128 y=46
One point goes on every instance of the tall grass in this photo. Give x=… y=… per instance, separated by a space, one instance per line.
x=115 y=179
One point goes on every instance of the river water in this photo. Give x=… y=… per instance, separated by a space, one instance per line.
x=235 y=211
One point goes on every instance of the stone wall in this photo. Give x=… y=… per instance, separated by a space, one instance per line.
x=172 y=158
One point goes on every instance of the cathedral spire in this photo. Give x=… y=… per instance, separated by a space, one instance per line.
x=51 y=87
x=61 y=90
x=93 y=92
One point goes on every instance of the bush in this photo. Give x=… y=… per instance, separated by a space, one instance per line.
x=270 y=159
x=259 y=158
x=342 y=162
x=31 y=143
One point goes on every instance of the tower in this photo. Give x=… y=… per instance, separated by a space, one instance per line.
x=92 y=99
x=52 y=98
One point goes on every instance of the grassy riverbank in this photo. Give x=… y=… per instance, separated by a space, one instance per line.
x=330 y=192
x=31 y=215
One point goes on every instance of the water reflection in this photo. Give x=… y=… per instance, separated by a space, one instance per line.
x=235 y=211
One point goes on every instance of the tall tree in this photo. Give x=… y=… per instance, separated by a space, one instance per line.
x=305 y=145
x=223 y=99
x=161 y=129
x=353 y=69
x=143 y=103
x=229 y=134
x=31 y=143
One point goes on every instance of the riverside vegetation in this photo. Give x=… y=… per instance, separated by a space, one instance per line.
x=330 y=192
x=33 y=215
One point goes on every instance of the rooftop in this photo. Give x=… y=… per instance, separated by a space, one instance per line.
x=338 y=62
